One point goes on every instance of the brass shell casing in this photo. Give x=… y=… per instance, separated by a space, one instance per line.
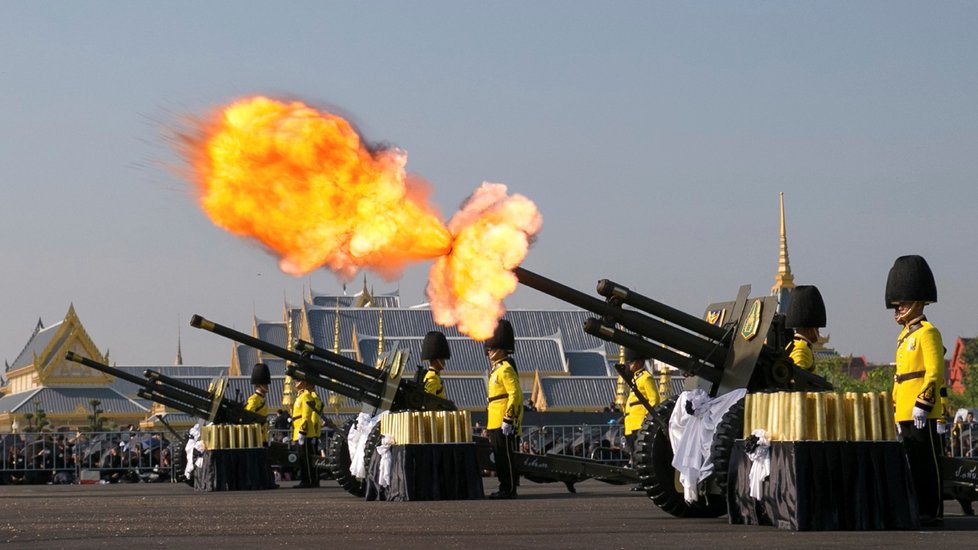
x=839 y=420
x=873 y=412
x=886 y=414
x=821 y=432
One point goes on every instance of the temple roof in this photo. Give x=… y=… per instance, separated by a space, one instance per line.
x=67 y=399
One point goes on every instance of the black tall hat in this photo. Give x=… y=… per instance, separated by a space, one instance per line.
x=635 y=355
x=260 y=375
x=502 y=337
x=910 y=280
x=435 y=346
x=806 y=309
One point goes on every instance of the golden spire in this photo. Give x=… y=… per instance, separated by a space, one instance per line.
x=287 y=391
x=620 y=389
x=380 y=336
x=336 y=328
x=784 y=279
x=333 y=399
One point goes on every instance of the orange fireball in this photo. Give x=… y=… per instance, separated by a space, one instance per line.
x=303 y=184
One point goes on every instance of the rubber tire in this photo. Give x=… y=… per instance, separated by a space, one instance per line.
x=338 y=459
x=178 y=460
x=653 y=461
x=730 y=428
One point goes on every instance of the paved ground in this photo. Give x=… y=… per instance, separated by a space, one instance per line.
x=546 y=516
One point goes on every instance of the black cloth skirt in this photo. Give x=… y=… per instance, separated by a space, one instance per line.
x=826 y=485
x=437 y=471
x=234 y=470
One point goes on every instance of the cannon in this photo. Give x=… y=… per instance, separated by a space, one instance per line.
x=170 y=392
x=210 y=404
x=729 y=352
x=386 y=388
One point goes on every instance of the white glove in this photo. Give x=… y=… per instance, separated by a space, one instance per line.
x=919 y=418
x=507 y=427
x=899 y=431
x=941 y=427
x=301 y=440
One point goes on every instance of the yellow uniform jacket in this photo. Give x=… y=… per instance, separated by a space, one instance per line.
x=505 y=396
x=256 y=403
x=801 y=354
x=635 y=411
x=919 y=371
x=305 y=414
x=433 y=384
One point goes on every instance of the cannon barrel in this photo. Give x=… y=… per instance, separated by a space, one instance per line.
x=91 y=363
x=361 y=376
x=177 y=395
x=639 y=323
x=689 y=365
x=611 y=289
x=339 y=374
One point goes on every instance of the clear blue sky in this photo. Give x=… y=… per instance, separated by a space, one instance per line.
x=654 y=138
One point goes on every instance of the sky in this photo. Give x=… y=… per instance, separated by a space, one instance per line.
x=654 y=138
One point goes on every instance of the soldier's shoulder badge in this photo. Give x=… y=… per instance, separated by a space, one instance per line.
x=752 y=323
x=716 y=317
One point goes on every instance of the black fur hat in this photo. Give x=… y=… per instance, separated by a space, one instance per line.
x=502 y=337
x=435 y=346
x=910 y=280
x=635 y=355
x=261 y=375
x=806 y=309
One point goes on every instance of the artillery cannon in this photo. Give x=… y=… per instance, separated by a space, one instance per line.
x=210 y=404
x=170 y=392
x=386 y=388
x=718 y=357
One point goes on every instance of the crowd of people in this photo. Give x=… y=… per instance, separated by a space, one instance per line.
x=127 y=456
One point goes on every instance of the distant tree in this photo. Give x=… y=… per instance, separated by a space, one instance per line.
x=968 y=398
x=37 y=420
x=95 y=421
x=878 y=378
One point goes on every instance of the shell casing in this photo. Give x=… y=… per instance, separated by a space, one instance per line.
x=839 y=418
x=858 y=417
x=748 y=416
x=873 y=412
x=799 y=415
x=886 y=416
x=821 y=421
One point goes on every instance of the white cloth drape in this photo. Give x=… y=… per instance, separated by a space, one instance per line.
x=357 y=440
x=760 y=467
x=691 y=435
x=384 y=475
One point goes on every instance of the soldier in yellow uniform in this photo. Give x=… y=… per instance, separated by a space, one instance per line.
x=505 y=409
x=306 y=425
x=261 y=377
x=918 y=383
x=806 y=314
x=634 y=409
x=435 y=351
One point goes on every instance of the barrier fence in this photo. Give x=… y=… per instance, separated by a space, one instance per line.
x=128 y=457
x=87 y=457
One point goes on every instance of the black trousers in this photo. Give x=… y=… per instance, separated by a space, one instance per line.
x=923 y=447
x=630 y=440
x=308 y=475
x=503 y=447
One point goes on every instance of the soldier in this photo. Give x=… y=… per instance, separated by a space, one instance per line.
x=806 y=314
x=635 y=410
x=505 y=409
x=260 y=378
x=306 y=412
x=919 y=380
x=435 y=351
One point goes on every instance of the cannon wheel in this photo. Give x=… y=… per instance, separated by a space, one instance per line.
x=338 y=460
x=653 y=461
x=178 y=458
x=730 y=428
